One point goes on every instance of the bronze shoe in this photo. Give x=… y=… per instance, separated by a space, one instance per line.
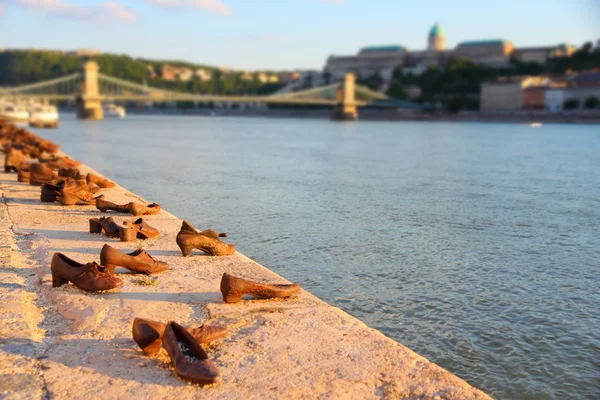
x=90 y=276
x=148 y=334
x=189 y=359
x=14 y=157
x=104 y=206
x=74 y=193
x=23 y=174
x=208 y=241
x=102 y=182
x=51 y=191
x=140 y=209
x=142 y=229
x=138 y=262
x=61 y=162
x=233 y=288
x=106 y=225
x=40 y=174
x=70 y=173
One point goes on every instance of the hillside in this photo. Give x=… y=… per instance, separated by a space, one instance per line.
x=24 y=66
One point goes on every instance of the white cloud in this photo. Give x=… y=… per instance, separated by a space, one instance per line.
x=213 y=6
x=119 y=12
x=59 y=8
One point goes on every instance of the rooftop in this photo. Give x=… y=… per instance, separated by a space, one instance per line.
x=382 y=49
x=436 y=30
x=481 y=42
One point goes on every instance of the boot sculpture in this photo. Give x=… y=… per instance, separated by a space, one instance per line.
x=102 y=182
x=129 y=208
x=14 y=157
x=233 y=288
x=189 y=359
x=51 y=191
x=138 y=262
x=60 y=162
x=148 y=334
x=23 y=174
x=74 y=193
x=111 y=229
x=90 y=276
x=70 y=173
x=141 y=230
x=208 y=241
x=40 y=174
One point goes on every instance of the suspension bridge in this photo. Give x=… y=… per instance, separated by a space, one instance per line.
x=90 y=88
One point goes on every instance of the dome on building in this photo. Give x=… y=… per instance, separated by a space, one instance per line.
x=436 y=30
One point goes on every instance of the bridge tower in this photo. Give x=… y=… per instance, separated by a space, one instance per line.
x=345 y=109
x=89 y=102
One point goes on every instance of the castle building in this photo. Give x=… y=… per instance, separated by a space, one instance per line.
x=384 y=59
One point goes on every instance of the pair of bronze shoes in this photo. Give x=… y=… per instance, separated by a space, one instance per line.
x=208 y=241
x=96 y=277
x=183 y=345
x=76 y=193
x=90 y=179
x=132 y=230
x=129 y=208
x=234 y=288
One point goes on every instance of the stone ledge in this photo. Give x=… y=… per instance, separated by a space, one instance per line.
x=293 y=348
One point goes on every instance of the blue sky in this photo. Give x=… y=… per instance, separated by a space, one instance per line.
x=284 y=34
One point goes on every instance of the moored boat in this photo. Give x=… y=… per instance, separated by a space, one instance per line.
x=43 y=116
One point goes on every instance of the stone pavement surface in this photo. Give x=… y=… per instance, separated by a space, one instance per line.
x=64 y=343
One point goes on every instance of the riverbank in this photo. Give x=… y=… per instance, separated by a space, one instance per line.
x=520 y=117
x=65 y=343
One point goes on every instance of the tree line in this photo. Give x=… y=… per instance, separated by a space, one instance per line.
x=19 y=67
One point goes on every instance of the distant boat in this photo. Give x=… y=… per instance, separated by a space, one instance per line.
x=14 y=113
x=535 y=124
x=113 y=111
x=43 y=116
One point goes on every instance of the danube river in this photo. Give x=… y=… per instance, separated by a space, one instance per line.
x=475 y=245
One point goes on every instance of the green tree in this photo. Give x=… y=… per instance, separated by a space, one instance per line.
x=396 y=90
x=591 y=102
x=571 y=104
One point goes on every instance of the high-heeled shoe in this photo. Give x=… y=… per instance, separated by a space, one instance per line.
x=148 y=334
x=138 y=262
x=233 y=288
x=106 y=225
x=189 y=358
x=141 y=229
x=208 y=241
x=90 y=276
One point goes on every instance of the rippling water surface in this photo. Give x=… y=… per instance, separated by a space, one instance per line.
x=475 y=245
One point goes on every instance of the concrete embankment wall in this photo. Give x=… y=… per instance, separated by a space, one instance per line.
x=63 y=343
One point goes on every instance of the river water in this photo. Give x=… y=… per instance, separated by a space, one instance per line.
x=475 y=245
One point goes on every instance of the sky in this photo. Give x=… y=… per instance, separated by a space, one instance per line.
x=284 y=34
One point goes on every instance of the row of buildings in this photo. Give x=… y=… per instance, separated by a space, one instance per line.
x=383 y=60
x=549 y=93
x=169 y=72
